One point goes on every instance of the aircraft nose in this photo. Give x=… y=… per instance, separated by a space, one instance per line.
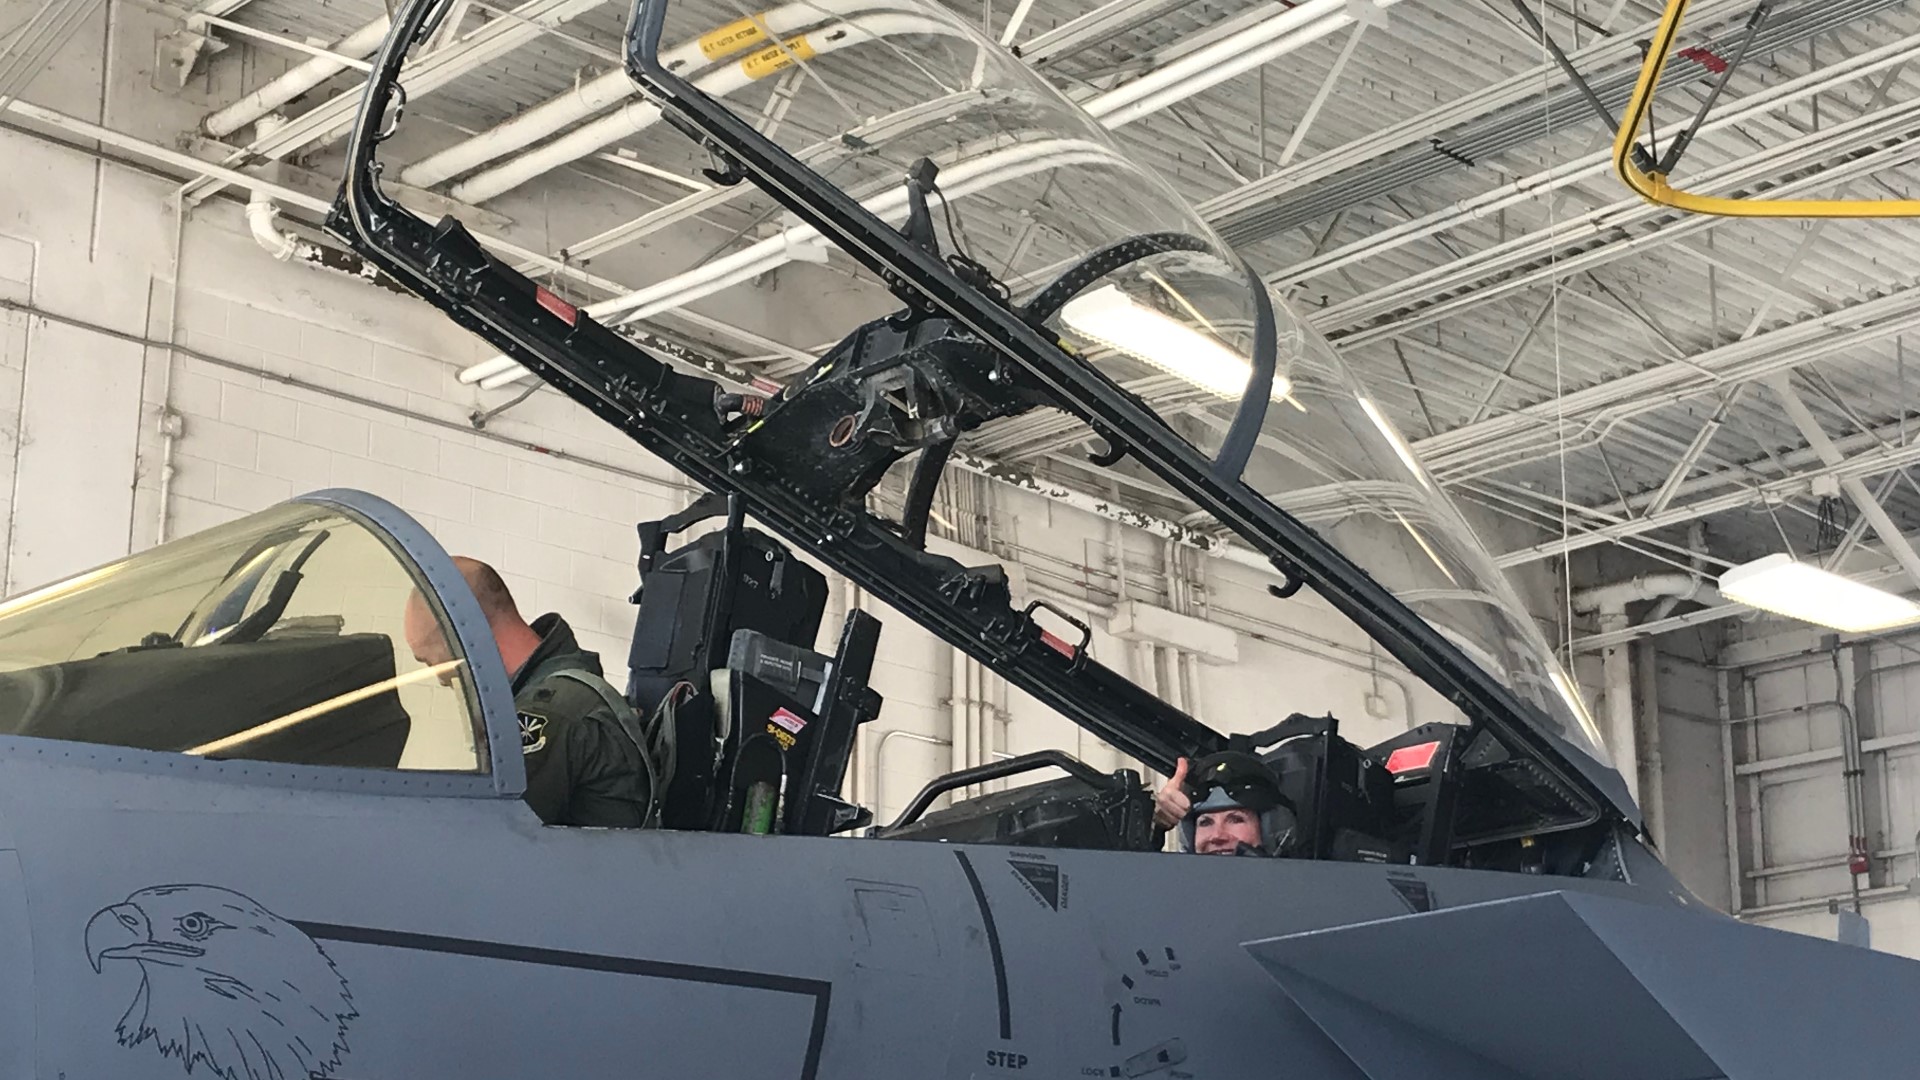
x=113 y=928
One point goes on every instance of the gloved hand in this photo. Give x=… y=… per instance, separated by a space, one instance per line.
x=1171 y=804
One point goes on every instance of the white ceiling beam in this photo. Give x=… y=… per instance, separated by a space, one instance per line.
x=1881 y=141
x=1822 y=444
x=1889 y=57
x=1102 y=23
x=1282 y=30
x=1534 y=428
x=424 y=75
x=1475 y=106
x=1856 y=467
x=1327 y=84
x=181 y=162
x=1701 y=440
x=26 y=52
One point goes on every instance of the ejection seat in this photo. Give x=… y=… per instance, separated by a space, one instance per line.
x=758 y=726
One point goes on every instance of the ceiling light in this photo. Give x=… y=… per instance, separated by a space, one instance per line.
x=1579 y=706
x=1400 y=446
x=1114 y=319
x=1784 y=586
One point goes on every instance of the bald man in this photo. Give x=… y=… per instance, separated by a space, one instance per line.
x=582 y=769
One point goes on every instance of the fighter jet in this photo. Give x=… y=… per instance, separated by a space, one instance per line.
x=245 y=834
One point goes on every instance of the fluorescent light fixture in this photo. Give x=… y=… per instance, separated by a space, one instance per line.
x=1114 y=319
x=1572 y=697
x=1400 y=446
x=1785 y=586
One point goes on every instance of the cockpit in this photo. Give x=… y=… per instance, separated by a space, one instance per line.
x=278 y=639
x=274 y=639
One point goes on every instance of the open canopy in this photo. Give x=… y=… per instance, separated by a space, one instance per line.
x=948 y=255
x=1031 y=190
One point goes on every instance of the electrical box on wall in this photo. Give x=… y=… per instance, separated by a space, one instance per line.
x=1135 y=621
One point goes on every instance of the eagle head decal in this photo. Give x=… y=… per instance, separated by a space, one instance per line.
x=225 y=984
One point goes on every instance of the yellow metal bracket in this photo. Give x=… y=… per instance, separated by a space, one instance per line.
x=1653 y=186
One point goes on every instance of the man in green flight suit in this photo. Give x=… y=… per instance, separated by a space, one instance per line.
x=583 y=766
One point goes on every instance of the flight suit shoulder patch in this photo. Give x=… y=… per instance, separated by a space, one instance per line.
x=533 y=732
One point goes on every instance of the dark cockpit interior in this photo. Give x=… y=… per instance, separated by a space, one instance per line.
x=237 y=675
x=762 y=721
x=278 y=643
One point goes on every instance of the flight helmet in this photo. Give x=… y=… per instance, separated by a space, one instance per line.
x=1233 y=780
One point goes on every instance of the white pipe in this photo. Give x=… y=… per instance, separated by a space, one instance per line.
x=976 y=723
x=1697 y=541
x=957 y=713
x=1653 y=808
x=522 y=130
x=1616 y=665
x=1615 y=597
x=1616 y=660
x=879 y=759
x=261 y=212
x=586 y=99
x=1287 y=30
x=170 y=422
x=637 y=116
x=296 y=81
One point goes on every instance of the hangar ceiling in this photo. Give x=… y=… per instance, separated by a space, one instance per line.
x=1417 y=176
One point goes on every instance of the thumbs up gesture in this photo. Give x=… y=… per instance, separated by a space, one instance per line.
x=1170 y=806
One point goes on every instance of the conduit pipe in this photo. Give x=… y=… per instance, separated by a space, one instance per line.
x=261 y=212
x=296 y=81
x=965 y=178
x=604 y=91
x=639 y=115
x=1697 y=541
x=879 y=762
x=333 y=118
x=1610 y=602
x=1288 y=29
x=1616 y=597
x=959 y=714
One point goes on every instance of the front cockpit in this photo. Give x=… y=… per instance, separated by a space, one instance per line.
x=276 y=638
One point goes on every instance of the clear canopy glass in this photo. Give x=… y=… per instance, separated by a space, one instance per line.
x=277 y=637
x=1032 y=184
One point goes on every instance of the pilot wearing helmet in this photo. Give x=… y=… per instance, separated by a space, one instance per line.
x=1227 y=803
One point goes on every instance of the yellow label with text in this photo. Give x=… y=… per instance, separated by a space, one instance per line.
x=732 y=37
x=779 y=57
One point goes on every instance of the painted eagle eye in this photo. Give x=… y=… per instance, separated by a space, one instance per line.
x=199 y=926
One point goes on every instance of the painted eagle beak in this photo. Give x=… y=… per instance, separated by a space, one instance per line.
x=112 y=930
x=122 y=932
